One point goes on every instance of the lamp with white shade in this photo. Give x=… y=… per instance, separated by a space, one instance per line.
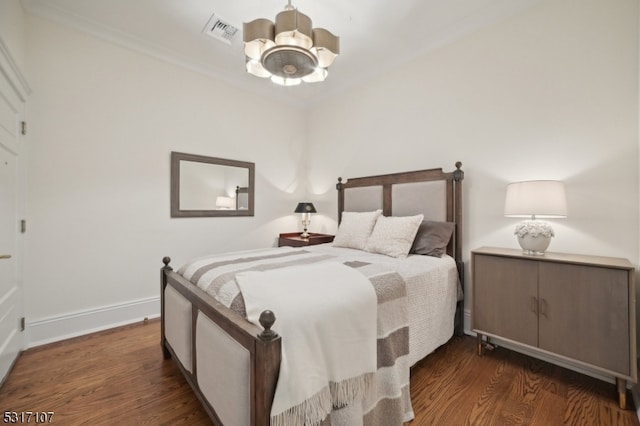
x=535 y=199
x=225 y=203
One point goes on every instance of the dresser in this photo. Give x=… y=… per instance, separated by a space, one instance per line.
x=575 y=308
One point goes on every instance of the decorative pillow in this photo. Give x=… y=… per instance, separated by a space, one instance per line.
x=393 y=235
x=355 y=228
x=432 y=238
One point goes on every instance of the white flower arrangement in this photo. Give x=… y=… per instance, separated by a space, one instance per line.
x=534 y=228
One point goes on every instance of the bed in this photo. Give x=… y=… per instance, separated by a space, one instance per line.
x=229 y=349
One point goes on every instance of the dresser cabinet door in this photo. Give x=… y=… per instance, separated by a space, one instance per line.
x=505 y=298
x=584 y=314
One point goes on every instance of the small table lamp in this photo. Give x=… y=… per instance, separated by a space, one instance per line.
x=536 y=198
x=306 y=209
x=225 y=203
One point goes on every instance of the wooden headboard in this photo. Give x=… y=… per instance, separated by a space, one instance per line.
x=432 y=192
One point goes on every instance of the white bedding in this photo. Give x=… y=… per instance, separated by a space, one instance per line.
x=429 y=290
x=433 y=290
x=432 y=287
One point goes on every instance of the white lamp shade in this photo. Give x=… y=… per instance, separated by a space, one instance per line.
x=539 y=198
x=225 y=202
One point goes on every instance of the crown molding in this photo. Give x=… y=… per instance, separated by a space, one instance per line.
x=98 y=30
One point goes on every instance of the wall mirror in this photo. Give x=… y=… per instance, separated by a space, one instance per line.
x=208 y=186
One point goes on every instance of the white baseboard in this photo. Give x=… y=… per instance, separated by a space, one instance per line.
x=73 y=324
x=544 y=357
x=466 y=322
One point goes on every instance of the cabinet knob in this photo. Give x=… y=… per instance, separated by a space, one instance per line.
x=5 y=256
x=534 y=305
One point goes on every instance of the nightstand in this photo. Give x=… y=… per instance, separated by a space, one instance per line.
x=576 y=308
x=293 y=239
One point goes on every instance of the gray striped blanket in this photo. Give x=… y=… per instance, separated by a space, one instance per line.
x=388 y=402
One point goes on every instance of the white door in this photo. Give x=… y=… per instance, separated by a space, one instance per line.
x=11 y=294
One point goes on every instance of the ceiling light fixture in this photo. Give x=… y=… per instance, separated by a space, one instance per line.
x=289 y=51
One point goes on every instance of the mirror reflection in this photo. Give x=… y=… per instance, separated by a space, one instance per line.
x=209 y=186
x=242 y=198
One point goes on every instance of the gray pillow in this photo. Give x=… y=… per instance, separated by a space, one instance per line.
x=432 y=238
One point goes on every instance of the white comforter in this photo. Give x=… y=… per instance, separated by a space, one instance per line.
x=431 y=289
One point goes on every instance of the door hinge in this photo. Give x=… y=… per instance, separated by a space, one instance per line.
x=23 y=324
x=23 y=127
x=23 y=226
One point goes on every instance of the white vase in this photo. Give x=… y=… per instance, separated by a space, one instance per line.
x=534 y=245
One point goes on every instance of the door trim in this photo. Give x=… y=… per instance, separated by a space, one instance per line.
x=12 y=72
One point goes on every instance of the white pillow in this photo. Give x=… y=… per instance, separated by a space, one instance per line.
x=394 y=235
x=355 y=228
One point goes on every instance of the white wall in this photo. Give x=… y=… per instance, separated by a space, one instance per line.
x=549 y=94
x=103 y=121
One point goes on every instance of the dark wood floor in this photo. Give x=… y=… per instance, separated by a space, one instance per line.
x=119 y=377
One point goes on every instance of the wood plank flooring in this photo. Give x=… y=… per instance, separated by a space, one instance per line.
x=119 y=377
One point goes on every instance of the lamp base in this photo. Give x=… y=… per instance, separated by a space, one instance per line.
x=535 y=246
x=305 y=225
x=534 y=236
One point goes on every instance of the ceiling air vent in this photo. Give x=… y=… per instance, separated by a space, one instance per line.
x=220 y=30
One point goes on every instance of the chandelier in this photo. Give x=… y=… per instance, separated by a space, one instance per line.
x=289 y=51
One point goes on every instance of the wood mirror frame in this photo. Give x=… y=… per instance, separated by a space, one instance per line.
x=182 y=211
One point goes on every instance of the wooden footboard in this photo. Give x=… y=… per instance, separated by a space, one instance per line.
x=262 y=345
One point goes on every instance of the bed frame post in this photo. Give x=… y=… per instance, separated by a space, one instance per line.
x=267 y=358
x=340 y=199
x=163 y=284
x=458 y=176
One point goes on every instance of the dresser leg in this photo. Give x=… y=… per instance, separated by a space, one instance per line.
x=484 y=345
x=621 y=384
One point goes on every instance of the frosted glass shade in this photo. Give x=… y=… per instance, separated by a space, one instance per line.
x=258 y=37
x=326 y=47
x=255 y=67
x=285 y=81
x=319 y=74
